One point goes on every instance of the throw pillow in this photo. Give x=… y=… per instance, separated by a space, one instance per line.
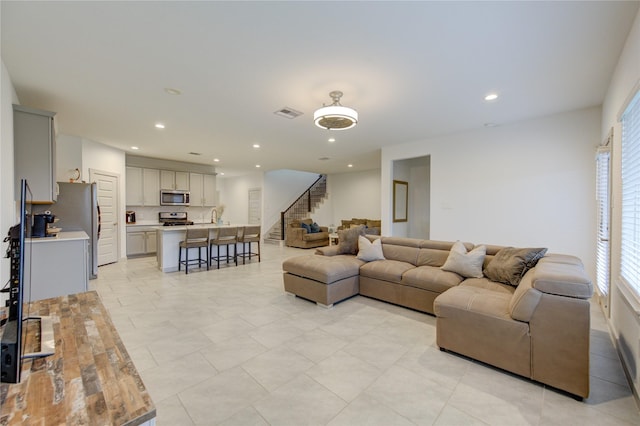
x=315 y=228
x=349 y=240
x=468 y=265
x=510 y=264
x=369 y=251
x=306 y=227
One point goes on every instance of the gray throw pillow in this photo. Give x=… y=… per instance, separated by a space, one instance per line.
x=510 y=264
x=349 y=240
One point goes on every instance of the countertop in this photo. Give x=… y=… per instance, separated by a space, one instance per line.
x=198 y=225
x=89 y=380
x=62 y=236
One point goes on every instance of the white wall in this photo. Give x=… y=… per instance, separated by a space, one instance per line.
x=524 y=184
x=281 y=188
x=625 y=322
x=233 y=192
x=8 y=97
x=355 y=194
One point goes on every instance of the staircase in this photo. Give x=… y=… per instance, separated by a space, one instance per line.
x=306 y=203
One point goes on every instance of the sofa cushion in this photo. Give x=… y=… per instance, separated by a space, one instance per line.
x=525 y=299
x=431 y=278
x=510 y=264
x=467 y=264
x=349 y=240
x=488 y=285
x=386 y=270
x=369 y=251
x=316 y=236
x=315 y=228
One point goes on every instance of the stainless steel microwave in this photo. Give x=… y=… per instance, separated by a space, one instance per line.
x=174 y=198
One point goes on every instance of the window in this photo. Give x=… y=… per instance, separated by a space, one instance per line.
x=630 y=244
x=602 y=199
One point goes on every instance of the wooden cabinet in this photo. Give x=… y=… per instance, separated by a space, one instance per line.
x=202 y=189
x=34 y=148
x=174 y=180
x=141 y=240
x=143 y=187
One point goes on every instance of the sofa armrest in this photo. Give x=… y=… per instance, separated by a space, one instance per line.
x=562 y=279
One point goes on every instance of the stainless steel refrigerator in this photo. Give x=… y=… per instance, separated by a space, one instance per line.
x=77 y=210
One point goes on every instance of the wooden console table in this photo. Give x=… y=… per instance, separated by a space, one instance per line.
x=90 y=380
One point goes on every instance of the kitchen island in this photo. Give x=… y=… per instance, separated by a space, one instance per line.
x=169 y=237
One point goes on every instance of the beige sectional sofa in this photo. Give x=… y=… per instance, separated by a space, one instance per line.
x=538 y=328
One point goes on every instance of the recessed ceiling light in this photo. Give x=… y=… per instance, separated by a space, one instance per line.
x=491 y=97
x=172 y=91
x=159 y=126
x=257 y=166
x=135 y=148
x=221 y=173
x=216 y=160
x=349 y=165
x=490 y=125
x=256 y=146
x=332 y=140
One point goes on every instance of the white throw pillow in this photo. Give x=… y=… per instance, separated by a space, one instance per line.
x=369 y=251
x=468 y=265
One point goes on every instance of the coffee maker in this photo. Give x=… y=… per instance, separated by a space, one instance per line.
x=41 y=223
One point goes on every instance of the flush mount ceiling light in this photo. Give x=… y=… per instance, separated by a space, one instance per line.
x=335 y=116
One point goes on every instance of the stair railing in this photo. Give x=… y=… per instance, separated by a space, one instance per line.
x=304 y=201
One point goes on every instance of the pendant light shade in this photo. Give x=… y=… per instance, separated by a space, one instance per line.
x=335 y=116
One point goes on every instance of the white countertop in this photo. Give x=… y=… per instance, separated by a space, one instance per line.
x=62 y=236
x=197 y=225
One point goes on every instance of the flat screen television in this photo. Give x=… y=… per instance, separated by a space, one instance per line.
x=12 y=343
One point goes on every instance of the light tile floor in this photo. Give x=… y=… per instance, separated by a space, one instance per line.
x=229 y=347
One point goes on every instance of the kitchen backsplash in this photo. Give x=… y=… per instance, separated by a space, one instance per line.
x=149 y=215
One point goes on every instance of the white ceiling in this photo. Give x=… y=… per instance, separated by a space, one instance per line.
x=412 y=70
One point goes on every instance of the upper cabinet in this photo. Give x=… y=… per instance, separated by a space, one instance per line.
x=174 y=180
x=34 y=147
x=202 y=189
x=143 y=187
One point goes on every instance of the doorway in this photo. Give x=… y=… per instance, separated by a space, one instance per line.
x=255 y=205
x=109 y=241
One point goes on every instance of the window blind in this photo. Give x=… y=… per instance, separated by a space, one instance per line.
x=602 y=199
x=630 y=244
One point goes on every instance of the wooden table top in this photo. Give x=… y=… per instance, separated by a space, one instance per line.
x=90 y=380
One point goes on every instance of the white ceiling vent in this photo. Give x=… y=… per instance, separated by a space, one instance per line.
x=287 y=112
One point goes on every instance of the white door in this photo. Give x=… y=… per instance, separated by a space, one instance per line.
x=255 y=205
x=107 y=186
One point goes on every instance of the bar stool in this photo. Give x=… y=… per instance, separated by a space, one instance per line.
x=248 y=235
x=195 y=238
x=226 y=236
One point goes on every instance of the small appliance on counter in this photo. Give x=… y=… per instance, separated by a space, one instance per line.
x=174 y=218
x=41 y=224
x=131 y=216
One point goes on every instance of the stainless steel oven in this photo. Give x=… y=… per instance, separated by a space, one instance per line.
x=174 y=198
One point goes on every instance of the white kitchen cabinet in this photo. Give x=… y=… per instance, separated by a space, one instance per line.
x=174 y=180
x=134 y=186
x=209 y=190
x=143 y=187
x=151 y=187
x=141 y=240
x=202 y=189
x=59 y=265
x=34 y=150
